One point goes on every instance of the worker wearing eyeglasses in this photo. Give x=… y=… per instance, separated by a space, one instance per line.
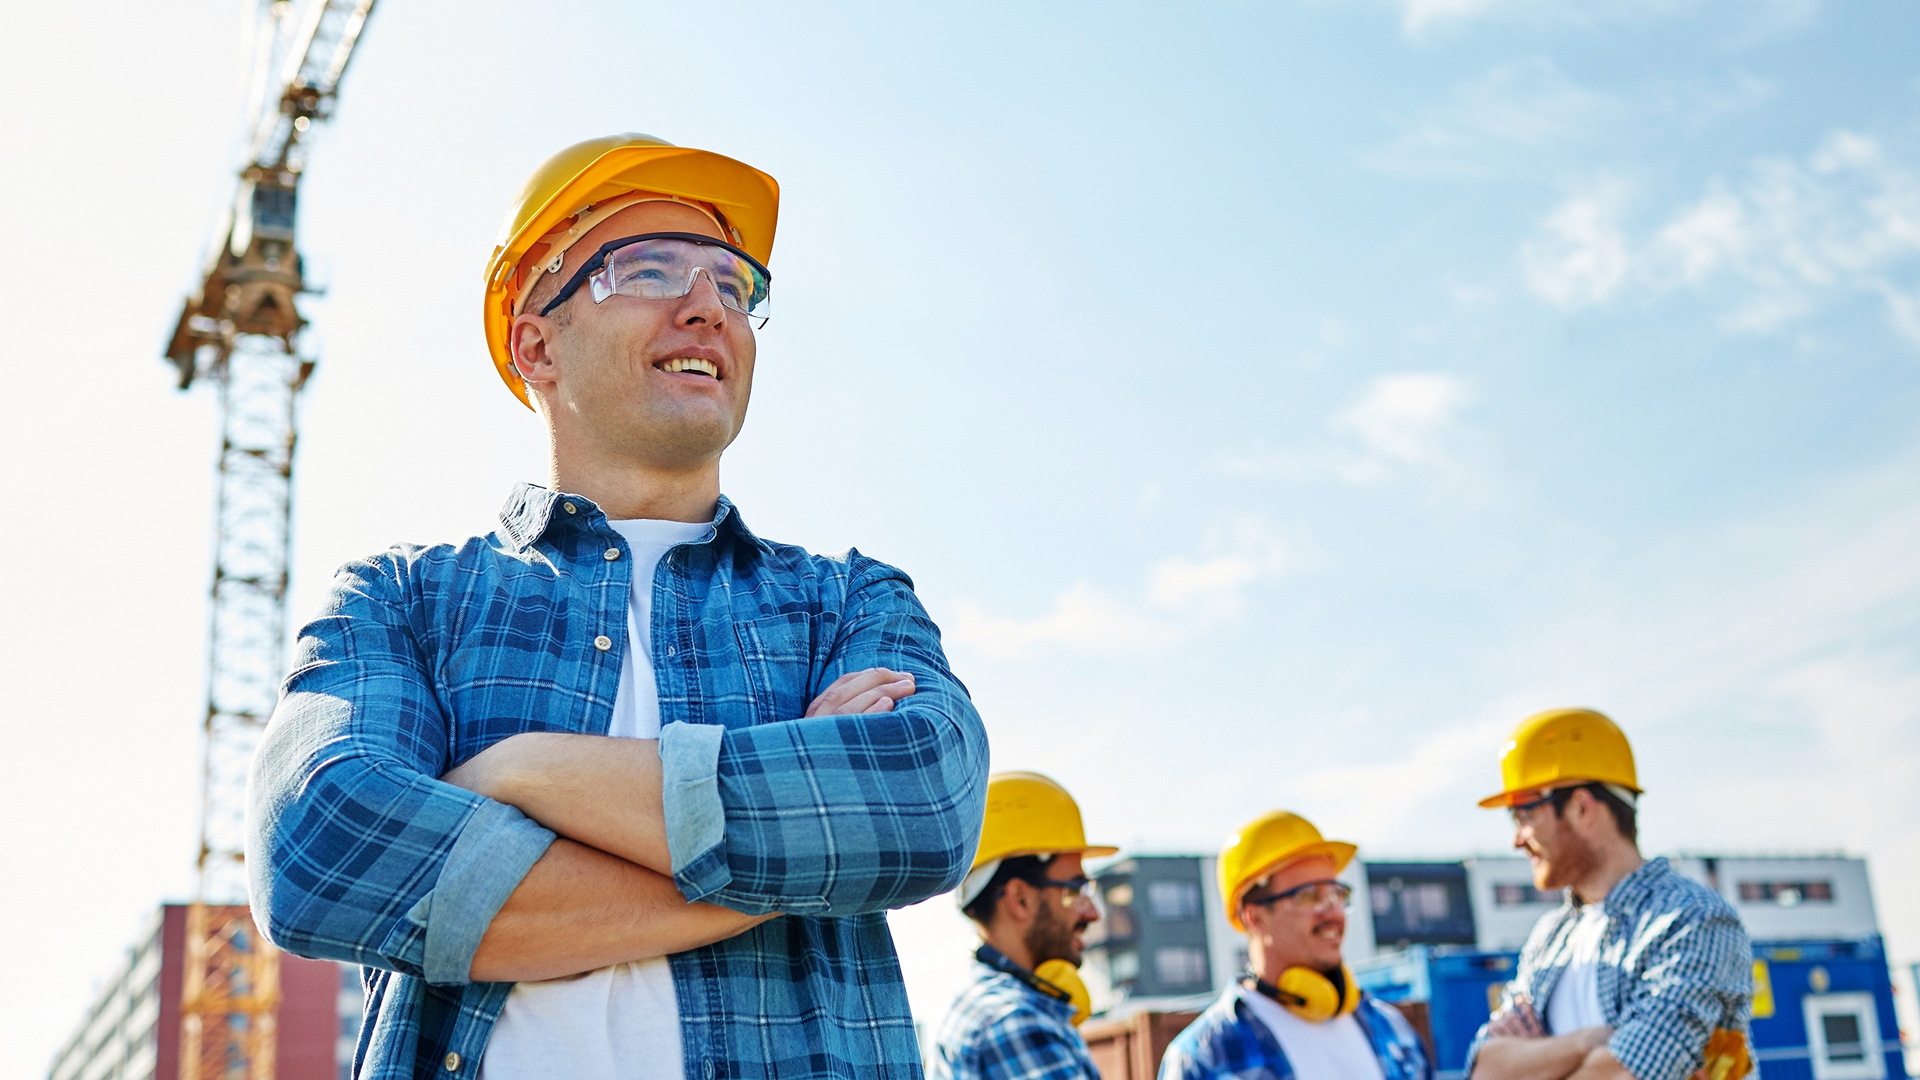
x=1027 y=897
x=1298 y=1011
x=1640 y=973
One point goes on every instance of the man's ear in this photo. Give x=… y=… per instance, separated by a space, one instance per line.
x=531 y=341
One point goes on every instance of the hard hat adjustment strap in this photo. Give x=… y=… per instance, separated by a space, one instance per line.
x=584 y=219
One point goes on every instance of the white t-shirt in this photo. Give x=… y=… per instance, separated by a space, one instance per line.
x=1336 y=1049
x=1575 y=1003
x=620 y=1022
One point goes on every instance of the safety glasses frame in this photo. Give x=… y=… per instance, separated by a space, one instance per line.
x=598 y=261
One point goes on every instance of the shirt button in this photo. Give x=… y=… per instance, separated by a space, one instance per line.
x=603 y=643
x=612 y=554
x=453 y=1062
x=670 y=650
x=569 y=508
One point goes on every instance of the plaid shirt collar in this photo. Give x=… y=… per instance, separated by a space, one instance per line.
x=529 y=515
x=1055 y=1002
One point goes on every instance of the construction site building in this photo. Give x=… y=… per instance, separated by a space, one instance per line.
x=132 y=1030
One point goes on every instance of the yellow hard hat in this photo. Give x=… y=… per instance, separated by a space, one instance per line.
x=1561 y=748
x=1029 y=814
x=1264 y=845
x=573 y=181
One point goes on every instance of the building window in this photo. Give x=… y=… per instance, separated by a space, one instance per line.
x=1844 y=1033
x=1180 y=965
x=1786 y=893
x=1517 y=895
x=1419 y=904
x=1173 y=899
x=1124 y=967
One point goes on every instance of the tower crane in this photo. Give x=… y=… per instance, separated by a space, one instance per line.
x=239 y=330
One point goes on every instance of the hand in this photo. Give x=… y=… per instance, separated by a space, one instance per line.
x=1517 y=1022
x=871 y=691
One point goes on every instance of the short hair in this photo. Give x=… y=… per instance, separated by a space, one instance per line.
x=1021 y=867
x=544 y=289
x=1624 y=815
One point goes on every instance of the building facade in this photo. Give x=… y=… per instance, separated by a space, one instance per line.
x=132 y=1031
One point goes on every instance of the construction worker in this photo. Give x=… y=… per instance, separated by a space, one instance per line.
x=620 y=790
x=1640 y=972
x=1027 y=897
x=1298 y=1012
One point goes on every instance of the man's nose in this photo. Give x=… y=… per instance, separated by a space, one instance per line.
x=702 y=302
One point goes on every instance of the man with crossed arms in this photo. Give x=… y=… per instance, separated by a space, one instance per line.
x=620 y=790
x=1641 y=974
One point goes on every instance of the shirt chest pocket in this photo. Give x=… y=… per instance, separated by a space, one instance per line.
x=777 y=652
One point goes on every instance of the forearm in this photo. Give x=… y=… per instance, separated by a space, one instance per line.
x=1600 y=1064
x=603 y=792
x=580 y=909
x=1549 y=1057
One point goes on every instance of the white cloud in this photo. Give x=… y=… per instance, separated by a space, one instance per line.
x=1182 y=596
x=1788 y=239
x=1579 y=256
x=1400 y=425
x=1499 y=124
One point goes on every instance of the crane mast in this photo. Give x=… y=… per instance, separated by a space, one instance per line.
x=239 y=330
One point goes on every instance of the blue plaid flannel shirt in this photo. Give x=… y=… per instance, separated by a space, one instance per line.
x=425 y=656
x=1000 y=1028
x=1228 y=1042
x=1675 y=964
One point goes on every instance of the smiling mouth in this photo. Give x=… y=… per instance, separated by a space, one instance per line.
x=690 y=365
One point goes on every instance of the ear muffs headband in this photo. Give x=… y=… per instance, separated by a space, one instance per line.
x=1311 y=995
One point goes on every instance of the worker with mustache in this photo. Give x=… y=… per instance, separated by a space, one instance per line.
x=1027 y=896
x=1640 y=973
x=1298 y=1011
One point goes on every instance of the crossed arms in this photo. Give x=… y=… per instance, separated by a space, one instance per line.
x=1691 y=974
x=591 y=848
x=604 y=893
x=1517 y=1047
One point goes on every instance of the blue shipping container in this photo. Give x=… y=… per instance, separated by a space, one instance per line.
x=1823 y=1010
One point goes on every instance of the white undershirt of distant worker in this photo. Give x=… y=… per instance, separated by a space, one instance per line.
x=620 y=1022
x=1335 y=1049
x=1575 y=1002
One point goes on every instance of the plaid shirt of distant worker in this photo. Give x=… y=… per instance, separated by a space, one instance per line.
x=424 y=657
x=1002 y=1028
x=1675 y=965
x=1229 y=1042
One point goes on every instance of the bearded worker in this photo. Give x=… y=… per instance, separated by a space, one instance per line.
x=1641 y=973
x=1027 y=897
x=620 y=790
x=1298 y=1011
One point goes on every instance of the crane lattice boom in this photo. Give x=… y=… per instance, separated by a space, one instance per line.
x=239 y=330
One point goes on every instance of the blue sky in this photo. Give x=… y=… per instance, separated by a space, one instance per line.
x=1274 y=403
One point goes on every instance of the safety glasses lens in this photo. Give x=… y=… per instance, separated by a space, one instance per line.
x=665 y=269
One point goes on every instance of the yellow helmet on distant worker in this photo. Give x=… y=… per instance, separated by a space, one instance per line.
x=1027 y=814
x=744 y=201
x=1266 y=844
x=1562 y=748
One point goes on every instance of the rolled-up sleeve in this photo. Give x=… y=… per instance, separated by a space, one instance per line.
x=355 y=851
x=1698 y=969
x=836 y=815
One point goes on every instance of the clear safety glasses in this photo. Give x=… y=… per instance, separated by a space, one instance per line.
x=1309 y=897
x=663 y=266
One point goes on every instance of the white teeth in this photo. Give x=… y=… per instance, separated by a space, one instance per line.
x=689 y=363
